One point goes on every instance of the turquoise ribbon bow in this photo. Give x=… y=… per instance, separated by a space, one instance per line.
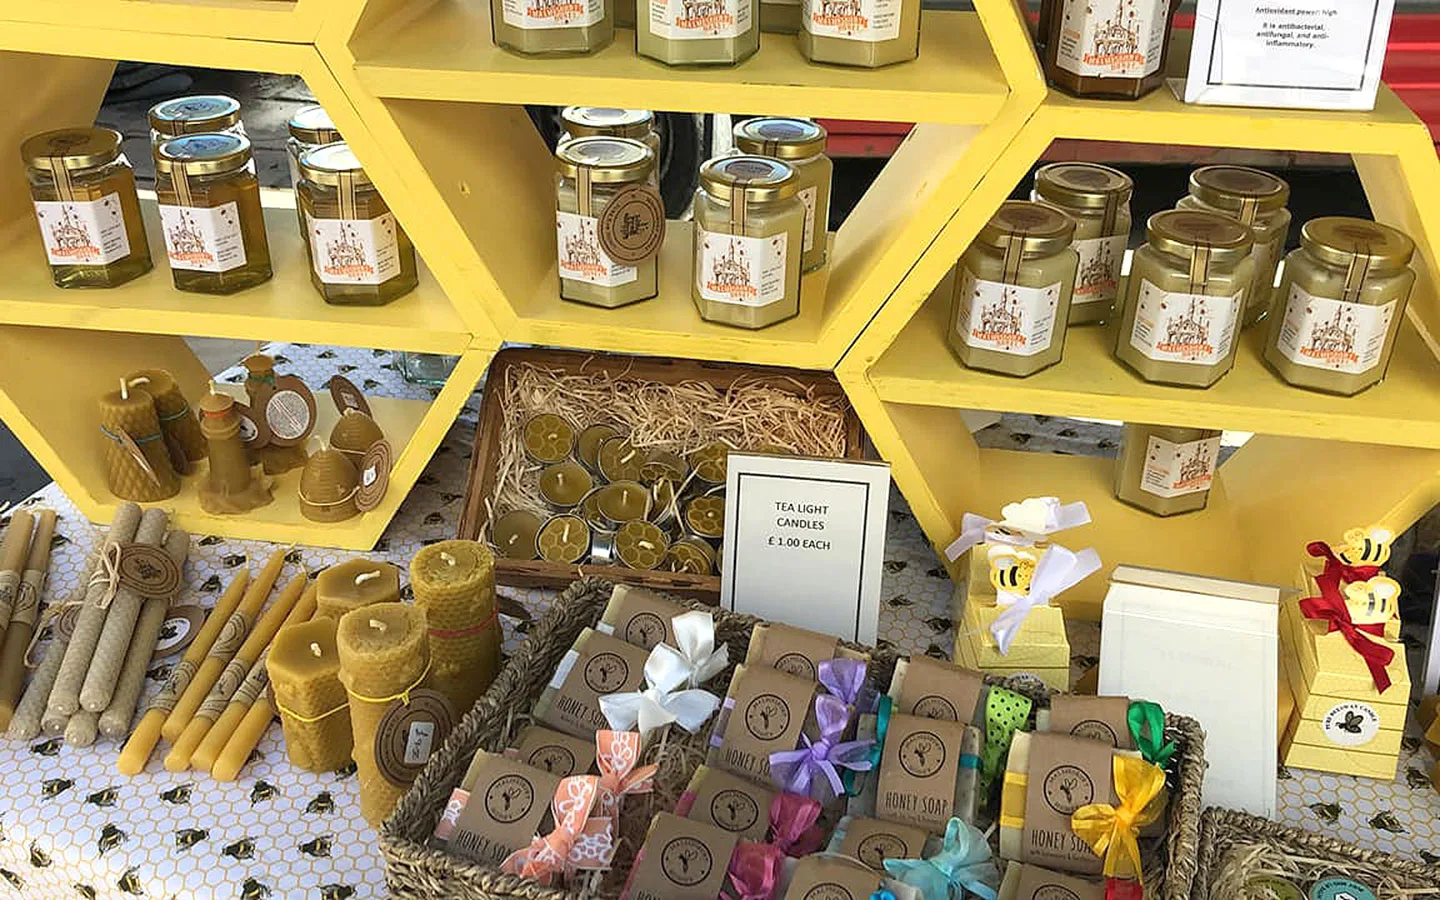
x=963 y=864
x=851 y=777
x=1147 y=727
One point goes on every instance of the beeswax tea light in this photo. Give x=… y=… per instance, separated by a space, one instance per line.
x=641 y=545
x=587 y=445
x=353 y=584
x=623 y=501
x=548 y=438
x=454 y=583
x=514 y=534
x=619 y=460
x=705 y=516
x=304 y=667
x=564 y=539
x=709 y=463
x=691 y=555
x=597 y=665
x=564 y=484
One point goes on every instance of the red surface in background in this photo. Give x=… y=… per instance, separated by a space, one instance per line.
x=1412 y=69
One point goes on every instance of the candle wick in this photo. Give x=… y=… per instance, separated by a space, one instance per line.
x=124 y=390
x=315 y=649
x=378 y=625
x=627 y=457
x=366 y=576
x=646 y=544
x=560 y=477
x=565 y=534
x=513 y=539
x=449 y=560
x=141 y=380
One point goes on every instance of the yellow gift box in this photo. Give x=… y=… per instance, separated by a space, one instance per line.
x=1041 y=647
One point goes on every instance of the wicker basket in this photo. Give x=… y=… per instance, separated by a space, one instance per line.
x=415 y=871
x=1236 y=845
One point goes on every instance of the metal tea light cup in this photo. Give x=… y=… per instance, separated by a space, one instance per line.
x=563 y=485
x=587 y=445
x=513 y=534
x=692 y=556
x=564 y=539
x=641 y=545
x=548 y=438
x=619 y=460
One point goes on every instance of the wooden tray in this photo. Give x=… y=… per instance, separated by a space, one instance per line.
x=538 y=573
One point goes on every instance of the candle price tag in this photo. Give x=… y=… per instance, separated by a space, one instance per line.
x=804 y=541
x=409 y=733
x=179 y=630
x=347 y=396
x=374 y=476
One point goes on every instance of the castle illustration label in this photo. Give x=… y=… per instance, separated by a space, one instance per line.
x=543 y=14
x=186 y=243
x=710 y=16
x=841 y=15
x=355 y=251
x=562 y=11
x=1176 y=469
x=1334 y=335
x=1098 y=277
x=86 y=232
x=1112 y=38
x=1005 y=317
x=580 y=256
x=203 y=239
x=743 y=270
x=1191 y=328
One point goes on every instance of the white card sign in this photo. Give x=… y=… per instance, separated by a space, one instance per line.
x=804 y=542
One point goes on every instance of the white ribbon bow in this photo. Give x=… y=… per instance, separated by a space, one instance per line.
x=698 y=655
x=1057 y=571
x=666 y=671
x=1022 y=524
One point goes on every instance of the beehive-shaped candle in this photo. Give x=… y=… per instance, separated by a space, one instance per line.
x=355 y=433
x=304 y=668
x=355 y=583
x=328 y=486
x=454 y=584
x=231 y=485
x=137 y=464
x=177 y=419
x=384 y=654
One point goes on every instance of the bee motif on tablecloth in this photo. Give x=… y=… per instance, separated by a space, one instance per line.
x=233 y=560
x=336 y=892
x=322 y=804
x=1352 y=723
x=256 y=755
x=104 y=799
x=1386 y=821
x=345 y=771
x=85 y=890
x=1327 y=812
x=241 y=849
x=254 y=890
x=51 y=788
x=111 y=836
x=186 y=838
x=210 y=540
x=346 y=368
x=130 y=883
x=160 y=672
x=262 y=791
x=48 y=748
x=318 y=847
x=180 y=793
x=211 y=585
x=295 y=557
x=1416 y=779
x=58 y=541
x=39 y=859
x=14 y=879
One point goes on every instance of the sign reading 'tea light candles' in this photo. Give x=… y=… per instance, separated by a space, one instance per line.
x=804 y=542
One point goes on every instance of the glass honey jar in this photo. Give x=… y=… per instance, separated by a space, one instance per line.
x=203 y=114
x=360 y=256
x=86 y=206
x=1256 y=199
x=1180 y=320
x=801 y=144
x=862 y=33
x=1098 y=199
x=210 y=213
x=606 y=121
x=697 y=32
x=309 y=128
x=552 y=27
x=749 y=240
x=1106 y=48
x=1011 y=296
x=1166 y=470
x=592 y=174
x=1340 y=304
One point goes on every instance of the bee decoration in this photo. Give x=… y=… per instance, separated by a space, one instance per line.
x=1416 y=779
x=1012 y=570
x=168 y=631
x=13 y=878
x=448 y=497
x=51 y=788
x=38 y=858
x=434 y=519
x=241 y=849
x=85 y=890
x=186 y=838
x=382 y=545
x=57 y=541
x=371 y=384
x=295 y=557
x=48 y=748
x=210 y=540
x=407 y=593
x=345 y=771
x=233 y=560
x=326 y=354
x=130 y=883
x=179 y=794
x=346 y=368
x=1373 y=602
x=262 y=791
x=318 y=847
x=111 y=836
x=322 y=804
x=336 y=892
x=254 y=890
x=1352 y=723
x=211 y=585
x=1366 y=546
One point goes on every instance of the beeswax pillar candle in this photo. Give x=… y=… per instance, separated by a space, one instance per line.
x=141 y=744
x=110 y=650
x=232 y=635
x=115 y=719
x=229 y=680
x=355 y=583
x=177 y=419
x=454 y=583
x=384 y=654
x=231 y=485
x=314 y=709
x=65 y=696
x=137 y=464
x=328 y=486
x=13 y=553
x=24 y=616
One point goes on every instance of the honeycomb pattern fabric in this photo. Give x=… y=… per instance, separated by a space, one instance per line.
x=71 y=826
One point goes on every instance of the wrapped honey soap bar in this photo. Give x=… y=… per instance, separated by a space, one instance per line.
x=764 y=712
x=1026 y=882
x=927 y=772
x=682 y=859
x=822 y=876
x=727 y=801
x=873 y=841
x=640 y=617
x=937 y=690
x=794 y=651
x=1103 y=719
x=503 y=805
x=597 y=665
x=552 y=751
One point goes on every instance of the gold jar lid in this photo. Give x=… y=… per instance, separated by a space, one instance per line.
x=203 y=154
x=609 y=160
x=1082 y=185
x=327 y=164
x=1338 y=240
x=1237 y=188
x=72 y=148
x=759 y=177
x=195 y=115
x=1181 y=231
x=607 y=121
x=1042 y=230
x=312 y=125
x=780 y=138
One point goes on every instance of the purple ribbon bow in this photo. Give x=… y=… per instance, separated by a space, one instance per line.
x=844 y=679
x=815 y=765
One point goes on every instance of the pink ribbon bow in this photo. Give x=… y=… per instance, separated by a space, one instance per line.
x=578 y=841
x=793 y=828
x=616 y=753
x=755 y=871
x=815 y=765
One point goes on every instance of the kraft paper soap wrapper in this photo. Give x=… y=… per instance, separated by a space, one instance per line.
x=597 y=665
x=763 y=713
x=873 y=841
x=1027 y=882
x=832 y=878
x=508 y=803
x=1103 y=719
x=794 y=651
x=681 y=859
x=560 y=754
x=921 y=770
x=933 y=689
x=640 y=617
x=1047 y=778
x=727 y=801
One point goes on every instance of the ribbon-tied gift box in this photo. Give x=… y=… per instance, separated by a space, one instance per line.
x=1041 y=647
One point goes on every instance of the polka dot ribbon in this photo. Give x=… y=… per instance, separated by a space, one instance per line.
x=1006 y=712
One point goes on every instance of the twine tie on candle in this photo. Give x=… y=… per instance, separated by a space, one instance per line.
x=403 y=696
x=307 y=720
x=107 y=573
x=467 y=631
x=353 y=491
x=50 y=614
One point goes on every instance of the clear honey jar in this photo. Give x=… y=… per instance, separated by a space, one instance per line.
x=608 y=121
x=1106 y=48
x=697 y=32
x=1098 y=199
x=591 y=174
x=801 y=144
x=1257 y=200
x=552 y=27
x=1166 y=470
x=862 y=33
x=201 y=114
x=310 y=127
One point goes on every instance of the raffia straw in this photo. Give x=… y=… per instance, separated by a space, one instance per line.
x=780 y=415
x=1246 y=862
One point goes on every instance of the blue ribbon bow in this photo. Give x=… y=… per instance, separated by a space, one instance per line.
x=963 y=864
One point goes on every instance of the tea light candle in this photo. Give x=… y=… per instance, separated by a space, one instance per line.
x=355 y=433
x=709 y=462
x=564 y=484
x=664 y=506
x=590 y=512
x=623 y=501
x=641 y=545
x=328 y=486
x=355 y=583
x=587 y=445
x=384 y=653
x=705 y=515
x=177 y=420
x=548 y=438
x=129 y=426
x=231 y=485
x=663 y=465
x=618 y=460
x=304 y=669
x=691 y=555
x=513 y=534
x=564 y=539
x=454 y=584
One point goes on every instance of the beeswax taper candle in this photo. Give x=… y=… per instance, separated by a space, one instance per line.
x=454 y=583
x=137 y=463
x=314 y=709
x=12 y=563
x=115 y=719
x=243 y=742
x=24 y=615
x=110 y=650
x=355 y=583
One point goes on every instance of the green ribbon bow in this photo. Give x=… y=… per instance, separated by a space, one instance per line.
x=1147 y=727
x=850 y=777
x=1006 y=712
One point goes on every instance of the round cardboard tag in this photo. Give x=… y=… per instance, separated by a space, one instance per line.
x=1351 y=723
x=253 y=431
x=347 y=396
x=632 y=227
x=290 y=412
x=374 y=476
x=178 y=631
x=409 y=733
x=148 y=570
x=64 y=621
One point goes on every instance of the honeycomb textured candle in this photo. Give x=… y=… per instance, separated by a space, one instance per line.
x=350 y=585
x=327 y=487
x=384 y=653
x=177 y=419
x=304 y=669
x=454 y=583
x=128 y=478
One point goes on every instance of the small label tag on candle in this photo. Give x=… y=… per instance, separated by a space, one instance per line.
x=408 y=732
x=374 y=476
x=253 y=432
x=148 y=570
x=179 y=630
x=347 y=396
x=65 y=619
x=290 y=412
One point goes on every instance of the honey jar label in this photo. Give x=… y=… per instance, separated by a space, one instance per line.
x=744 y=271
x=355 y=251
x=1185 y=328
x=919 y=768
x=1005 y=318
x=1111 y=38
x=203 y=240
x=539 y=14
x=582 y=258
x=1333 y=335
x=1177 y=469
x=83 y=232
x=851 y=20
x=1097 y=279
x=694 y=20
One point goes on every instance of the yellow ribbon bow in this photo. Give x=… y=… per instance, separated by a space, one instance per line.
x=1112 y=832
